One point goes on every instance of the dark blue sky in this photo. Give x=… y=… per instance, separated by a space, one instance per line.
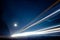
x=24 y=11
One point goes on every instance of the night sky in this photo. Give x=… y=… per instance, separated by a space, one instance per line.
x=23 y=12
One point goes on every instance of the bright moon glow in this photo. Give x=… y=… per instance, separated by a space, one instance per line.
x=25 y=34
x=15 y=24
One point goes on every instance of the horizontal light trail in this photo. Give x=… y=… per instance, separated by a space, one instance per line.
x=56 y=26
x=40 y=15
x=43 y=19
x=25 y=34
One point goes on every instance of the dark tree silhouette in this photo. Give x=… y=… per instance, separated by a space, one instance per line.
x=4 y=31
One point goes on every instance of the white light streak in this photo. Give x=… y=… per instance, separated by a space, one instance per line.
x=43 y=19
x=48 y=28
x=25 y=34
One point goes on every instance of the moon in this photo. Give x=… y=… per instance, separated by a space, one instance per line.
x=15 y=24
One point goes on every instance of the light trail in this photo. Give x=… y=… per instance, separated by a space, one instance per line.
x=43 y=19
x=25 y=34
x=40 y=15
x=48 y=28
